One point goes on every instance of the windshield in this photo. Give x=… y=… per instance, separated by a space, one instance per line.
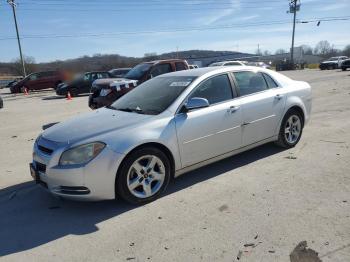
x=138 y=71
x=154 y=96
x=333 y=58
x=216 y=64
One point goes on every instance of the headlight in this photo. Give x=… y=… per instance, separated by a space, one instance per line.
x=81 y=154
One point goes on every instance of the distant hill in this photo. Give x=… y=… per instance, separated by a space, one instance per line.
x=105 y=62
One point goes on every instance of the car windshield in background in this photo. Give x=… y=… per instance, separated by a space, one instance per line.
x=138 y=71
x=216 y=64
x=333 y=58
x=154 y=96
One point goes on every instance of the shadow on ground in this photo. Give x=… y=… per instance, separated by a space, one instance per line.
x=30 y=217
x=62 y=97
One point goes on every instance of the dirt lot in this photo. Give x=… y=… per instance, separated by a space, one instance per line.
x=267 y=197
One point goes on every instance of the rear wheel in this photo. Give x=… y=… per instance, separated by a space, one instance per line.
x=291 y=129
x=143 y=176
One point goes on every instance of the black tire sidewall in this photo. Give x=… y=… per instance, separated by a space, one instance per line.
x=282 y=138
x=121 y=179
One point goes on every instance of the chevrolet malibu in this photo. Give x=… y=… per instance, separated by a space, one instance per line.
x=166 y=127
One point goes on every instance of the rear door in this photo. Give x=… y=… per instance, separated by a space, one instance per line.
x=46 y=80
x=262 y=103
x=160 y=69
x=212 y=131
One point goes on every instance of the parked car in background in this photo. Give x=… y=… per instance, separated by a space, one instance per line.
x=192 y=66
x=345 y=64
x=81 y=84
x=166 y=127
x=119 y=72
x=106 y=91
x=40 y=80
x=259 y=64
x=229 y=63
x=333 y=62
x=1 y=103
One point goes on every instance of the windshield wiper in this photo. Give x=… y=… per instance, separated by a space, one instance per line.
x=128 y=109
x=111 y=107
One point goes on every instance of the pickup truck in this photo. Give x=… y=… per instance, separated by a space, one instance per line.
x=106 y=91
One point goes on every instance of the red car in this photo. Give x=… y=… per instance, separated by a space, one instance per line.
x=40 y=80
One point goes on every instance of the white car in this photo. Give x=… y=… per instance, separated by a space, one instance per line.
x=166 y=127
x=228 y=63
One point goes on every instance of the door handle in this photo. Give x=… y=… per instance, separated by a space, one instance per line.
x=233 y=109
x=278 y=96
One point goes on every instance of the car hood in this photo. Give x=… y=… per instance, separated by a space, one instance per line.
x=93 y=124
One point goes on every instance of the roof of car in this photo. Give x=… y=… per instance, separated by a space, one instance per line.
x=166 y=60
x=204 y=70
x=96 y=72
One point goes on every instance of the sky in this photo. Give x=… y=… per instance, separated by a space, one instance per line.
x=62 y=29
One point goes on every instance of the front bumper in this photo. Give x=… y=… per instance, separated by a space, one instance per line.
x=94 y=180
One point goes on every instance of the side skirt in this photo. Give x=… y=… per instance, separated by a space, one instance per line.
x=223 y=156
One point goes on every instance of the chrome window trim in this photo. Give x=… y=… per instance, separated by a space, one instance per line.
x=233 y=92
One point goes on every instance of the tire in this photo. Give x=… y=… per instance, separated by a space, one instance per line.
x=146 y=184
x=289 y=140
x=73 y=92
x=343 y=69
x=56 y=85
x=1 y=103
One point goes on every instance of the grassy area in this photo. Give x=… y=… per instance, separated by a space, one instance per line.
x=313 y=66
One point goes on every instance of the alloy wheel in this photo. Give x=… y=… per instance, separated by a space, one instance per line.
x=146 y=176
x=292 y=129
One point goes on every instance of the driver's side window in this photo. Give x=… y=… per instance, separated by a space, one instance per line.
x=216 y=89
x=34 y=77
x=87 y=77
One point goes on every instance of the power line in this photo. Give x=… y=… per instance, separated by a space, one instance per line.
x=13 y=5
x=179 y=29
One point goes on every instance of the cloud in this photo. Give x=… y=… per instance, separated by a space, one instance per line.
x=216 y=16
x=333 y=7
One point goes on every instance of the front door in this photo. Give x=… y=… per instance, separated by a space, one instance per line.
x=262 y=103
x=208 y=132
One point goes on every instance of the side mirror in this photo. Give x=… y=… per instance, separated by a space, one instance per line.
x=195 y=103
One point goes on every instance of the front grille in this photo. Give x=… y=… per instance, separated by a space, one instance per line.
x=45 y=150
x=40 y=167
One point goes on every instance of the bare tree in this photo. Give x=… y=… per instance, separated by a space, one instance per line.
x=346 y=51
x=29 y=62
x=280 y=51
x=323 y=48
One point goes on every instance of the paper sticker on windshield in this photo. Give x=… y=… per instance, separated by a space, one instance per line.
x=186 y=83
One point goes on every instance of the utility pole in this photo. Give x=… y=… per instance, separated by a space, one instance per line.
x=13 y=5
x=293 y=8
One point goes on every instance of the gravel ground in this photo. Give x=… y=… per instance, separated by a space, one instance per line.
x=268 y=197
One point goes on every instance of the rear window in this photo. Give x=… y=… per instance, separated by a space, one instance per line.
x=270 y=82
x=180 y=66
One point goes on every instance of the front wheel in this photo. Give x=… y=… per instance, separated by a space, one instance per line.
x=291 y=129
x=143 y=176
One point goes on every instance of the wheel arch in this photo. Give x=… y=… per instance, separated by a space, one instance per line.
x=157 y=145
x=299 y=110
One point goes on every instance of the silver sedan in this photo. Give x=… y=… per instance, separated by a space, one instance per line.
x=166 y=127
